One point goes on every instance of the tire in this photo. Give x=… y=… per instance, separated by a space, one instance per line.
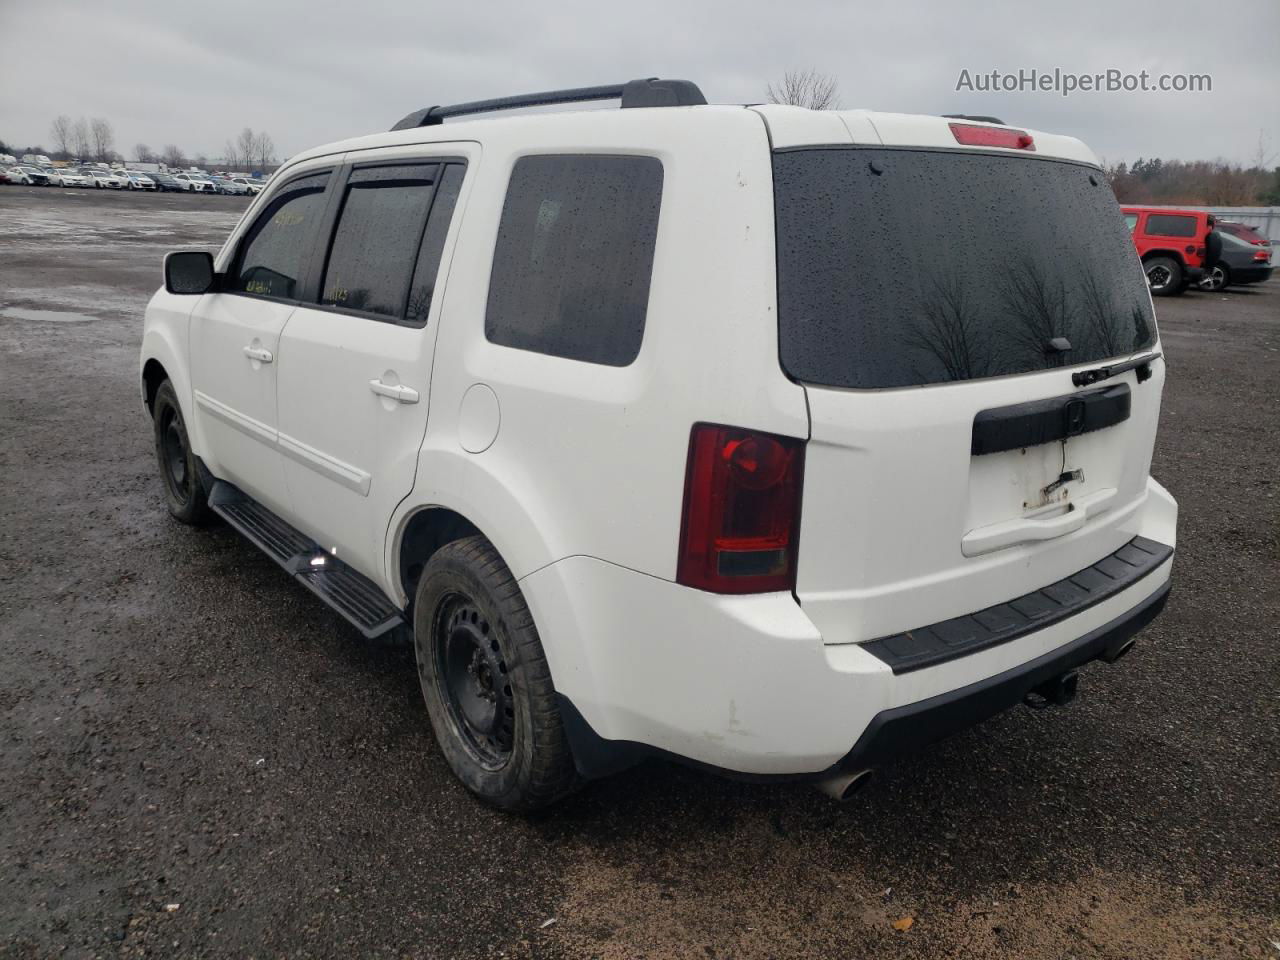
x=1164 y=276
x=1219 y=278
x=486 y=682
x=184 y=494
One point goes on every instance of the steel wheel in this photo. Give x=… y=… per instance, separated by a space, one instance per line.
x=476 y=686
x=173 y=447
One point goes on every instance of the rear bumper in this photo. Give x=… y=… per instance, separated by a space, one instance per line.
x=747 y=686
x=902 y=729
x=1251 y=274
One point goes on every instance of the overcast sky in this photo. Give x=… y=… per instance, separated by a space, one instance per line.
x=306 y=71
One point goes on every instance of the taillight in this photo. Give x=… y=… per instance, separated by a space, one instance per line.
x=1262 y=256
x=741 y=522
x=974 y=136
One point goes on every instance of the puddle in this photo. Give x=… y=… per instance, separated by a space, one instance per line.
x=50 y=316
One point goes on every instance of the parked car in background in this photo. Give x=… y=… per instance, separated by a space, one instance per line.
x=253 y=186
x=103 y=178
x=167 y=182
x=30 y=176
x=194 y=182
x=4 y=176
x=137 y=181
x=1175 y=246
x=68 y=177
x=7 y=160
x=978 y=523
x=230 y=186
x=1244 y=232
x=1241 y=262
x=36 y=160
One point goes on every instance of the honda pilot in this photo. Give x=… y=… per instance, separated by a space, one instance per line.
x=635 y=423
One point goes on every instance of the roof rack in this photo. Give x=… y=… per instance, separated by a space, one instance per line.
x=965 y=116
x=650 y=92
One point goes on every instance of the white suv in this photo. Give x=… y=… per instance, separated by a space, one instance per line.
x=776 y=441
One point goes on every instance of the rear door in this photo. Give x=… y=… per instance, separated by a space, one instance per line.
x=935 y=303
x=355 y=369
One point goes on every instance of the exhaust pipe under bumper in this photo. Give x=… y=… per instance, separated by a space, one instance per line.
x=844 y=785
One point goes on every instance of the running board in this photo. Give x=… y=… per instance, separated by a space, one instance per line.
x=357 y=598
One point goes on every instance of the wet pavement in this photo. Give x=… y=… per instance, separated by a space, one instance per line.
x=198 y=759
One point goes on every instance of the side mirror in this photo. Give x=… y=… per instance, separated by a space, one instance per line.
x=188 y=272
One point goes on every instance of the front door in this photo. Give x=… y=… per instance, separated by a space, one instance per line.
x=235 y=341
x=355 y=368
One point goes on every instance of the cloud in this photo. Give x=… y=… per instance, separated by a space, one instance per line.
x=308 y=73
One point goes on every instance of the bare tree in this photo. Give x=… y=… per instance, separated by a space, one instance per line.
x=202 y=161
x=264 y=150
x=806 y=88
x=142 y=153
x=80 y=138
x=245 y=145
x=60 y=131
x=104 y=138
x=231 y=157
x=172 y=156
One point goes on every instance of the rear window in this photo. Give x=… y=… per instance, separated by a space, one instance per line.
x=909 y=267
x=1167 y=225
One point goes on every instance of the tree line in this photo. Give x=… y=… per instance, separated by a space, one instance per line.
x=1201 y=183
x=94 y=139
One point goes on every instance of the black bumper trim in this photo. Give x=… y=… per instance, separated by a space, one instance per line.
x=914 y=725
x=894 y=731
x=960 y=636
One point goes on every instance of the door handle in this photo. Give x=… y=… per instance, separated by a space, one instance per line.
x=261 y=354
x=398 y=392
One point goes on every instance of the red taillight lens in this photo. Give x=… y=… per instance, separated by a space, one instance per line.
x=974 y=136
x=1262 y=256
x=741 y=521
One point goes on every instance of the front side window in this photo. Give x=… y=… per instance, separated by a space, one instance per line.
x=574 y=256
x=274 y=252
x=377 y=237
x=1131 y=221
x=1168 y=225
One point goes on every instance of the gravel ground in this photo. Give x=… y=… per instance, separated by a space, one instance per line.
x=200 y=760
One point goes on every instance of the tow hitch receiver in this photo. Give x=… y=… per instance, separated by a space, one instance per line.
x=1059 y=691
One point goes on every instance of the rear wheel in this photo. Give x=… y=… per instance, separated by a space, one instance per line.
x=1219 y=278
x=1164 y=276
x=184 y=493
x=486 y=682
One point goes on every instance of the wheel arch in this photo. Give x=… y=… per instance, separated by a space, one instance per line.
x=1173 y=254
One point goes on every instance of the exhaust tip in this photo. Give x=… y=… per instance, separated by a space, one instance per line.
x=844 y=785
x=1120 y=651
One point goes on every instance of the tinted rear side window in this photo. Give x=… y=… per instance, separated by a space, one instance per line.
x=376 y=240
x=574 y=257
x=1165 y=225
x=909 y=267
x=274 y=252
x=428 y=266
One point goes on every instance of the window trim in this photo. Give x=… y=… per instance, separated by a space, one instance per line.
x=233 y=268
x=330 y=224
x=497 y=229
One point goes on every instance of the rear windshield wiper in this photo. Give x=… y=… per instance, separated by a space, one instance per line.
x=1082 y=378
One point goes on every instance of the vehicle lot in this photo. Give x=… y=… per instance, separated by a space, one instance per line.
x=184 y=725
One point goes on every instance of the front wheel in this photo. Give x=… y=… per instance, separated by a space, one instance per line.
x=1164 y=276
x=185 y=495
x=486 y=682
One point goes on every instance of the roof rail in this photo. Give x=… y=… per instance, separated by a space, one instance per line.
x=650 y=92
x=965 y=116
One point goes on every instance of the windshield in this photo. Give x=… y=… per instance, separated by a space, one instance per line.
x=901 y=267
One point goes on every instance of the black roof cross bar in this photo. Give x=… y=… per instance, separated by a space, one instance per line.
x=635 y=93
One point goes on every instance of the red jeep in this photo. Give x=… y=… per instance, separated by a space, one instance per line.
x=1176 y=246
